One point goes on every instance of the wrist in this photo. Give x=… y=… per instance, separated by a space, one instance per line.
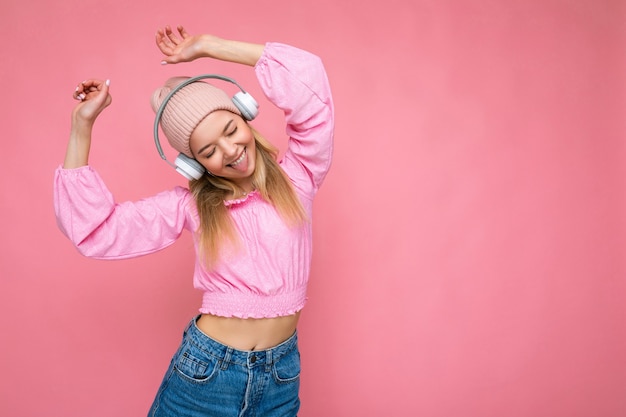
x=208 y=46
x=80 y=134
x=81 y=125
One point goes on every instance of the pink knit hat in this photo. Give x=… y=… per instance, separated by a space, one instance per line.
x=187 y=108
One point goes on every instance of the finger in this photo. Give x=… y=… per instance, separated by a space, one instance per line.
x=166 y=44
x=101 y=95
x=91 y=83
x=183 y=32
x=171 y=59
x=91 y=86
x=104 y=88
x=88 y=89
x=79 y=92
x=163 y=41
x=166 y=49
x=158 y=38
x=173 y=39
x=105 y=92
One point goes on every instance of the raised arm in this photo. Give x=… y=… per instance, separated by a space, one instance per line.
x=294 y=80
x=183 y=47
x=94 y=97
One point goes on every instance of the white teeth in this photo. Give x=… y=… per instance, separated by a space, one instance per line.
x=238 y=161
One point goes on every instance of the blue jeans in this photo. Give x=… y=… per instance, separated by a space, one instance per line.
x=207 y=378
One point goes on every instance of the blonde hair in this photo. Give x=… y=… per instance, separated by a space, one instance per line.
x=216 y=225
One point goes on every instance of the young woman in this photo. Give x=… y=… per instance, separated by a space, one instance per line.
x=250 y=217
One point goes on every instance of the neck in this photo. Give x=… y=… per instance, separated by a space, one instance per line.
x=243 y=190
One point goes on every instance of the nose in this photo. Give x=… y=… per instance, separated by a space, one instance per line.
x=229 y=148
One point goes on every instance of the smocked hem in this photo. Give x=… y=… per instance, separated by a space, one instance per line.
x=242 y=199
x=253 y=306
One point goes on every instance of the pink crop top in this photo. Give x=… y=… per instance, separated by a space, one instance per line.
x=266 y=278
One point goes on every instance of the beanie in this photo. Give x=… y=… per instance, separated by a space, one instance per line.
x=187 y=108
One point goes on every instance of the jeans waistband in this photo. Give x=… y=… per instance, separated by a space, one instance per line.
x=229 y=355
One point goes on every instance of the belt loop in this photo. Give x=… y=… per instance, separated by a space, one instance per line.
x=226 y=360
x=268 y=360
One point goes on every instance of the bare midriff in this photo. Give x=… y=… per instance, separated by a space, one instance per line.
x=248 y=334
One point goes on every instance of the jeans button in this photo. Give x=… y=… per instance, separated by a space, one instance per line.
x=253 y=359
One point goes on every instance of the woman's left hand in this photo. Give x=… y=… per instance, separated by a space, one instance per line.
x=182 y=47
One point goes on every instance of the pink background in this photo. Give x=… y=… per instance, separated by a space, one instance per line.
x=470 y=237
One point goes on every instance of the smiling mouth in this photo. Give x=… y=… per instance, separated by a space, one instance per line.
x=240 y=159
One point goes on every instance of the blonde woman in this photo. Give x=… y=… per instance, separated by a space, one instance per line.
x=249 y=214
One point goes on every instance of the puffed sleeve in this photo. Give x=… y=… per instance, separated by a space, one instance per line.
x=295 y=81
x=101 y=228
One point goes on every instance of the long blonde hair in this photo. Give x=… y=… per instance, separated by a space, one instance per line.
x=216 y=225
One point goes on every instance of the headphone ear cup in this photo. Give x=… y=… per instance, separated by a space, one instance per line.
x=246 y=104
x=189 y=167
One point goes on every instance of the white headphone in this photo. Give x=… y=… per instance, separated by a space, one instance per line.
x=189 y=167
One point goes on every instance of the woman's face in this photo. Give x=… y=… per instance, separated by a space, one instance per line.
x=224 y=144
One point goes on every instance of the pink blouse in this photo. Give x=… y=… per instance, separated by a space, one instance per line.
x=268 y=275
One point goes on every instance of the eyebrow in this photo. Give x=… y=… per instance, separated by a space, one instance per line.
x=223 y=132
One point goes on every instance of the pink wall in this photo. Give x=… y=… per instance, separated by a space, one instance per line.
x=470 y=238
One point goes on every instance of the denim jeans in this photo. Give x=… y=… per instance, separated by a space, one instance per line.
x=206 y=378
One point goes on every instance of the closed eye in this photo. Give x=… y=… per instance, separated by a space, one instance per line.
x=210 y=150
x=232 y=132
x=209 y=154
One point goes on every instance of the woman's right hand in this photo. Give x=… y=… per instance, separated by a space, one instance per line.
x=94 y=97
